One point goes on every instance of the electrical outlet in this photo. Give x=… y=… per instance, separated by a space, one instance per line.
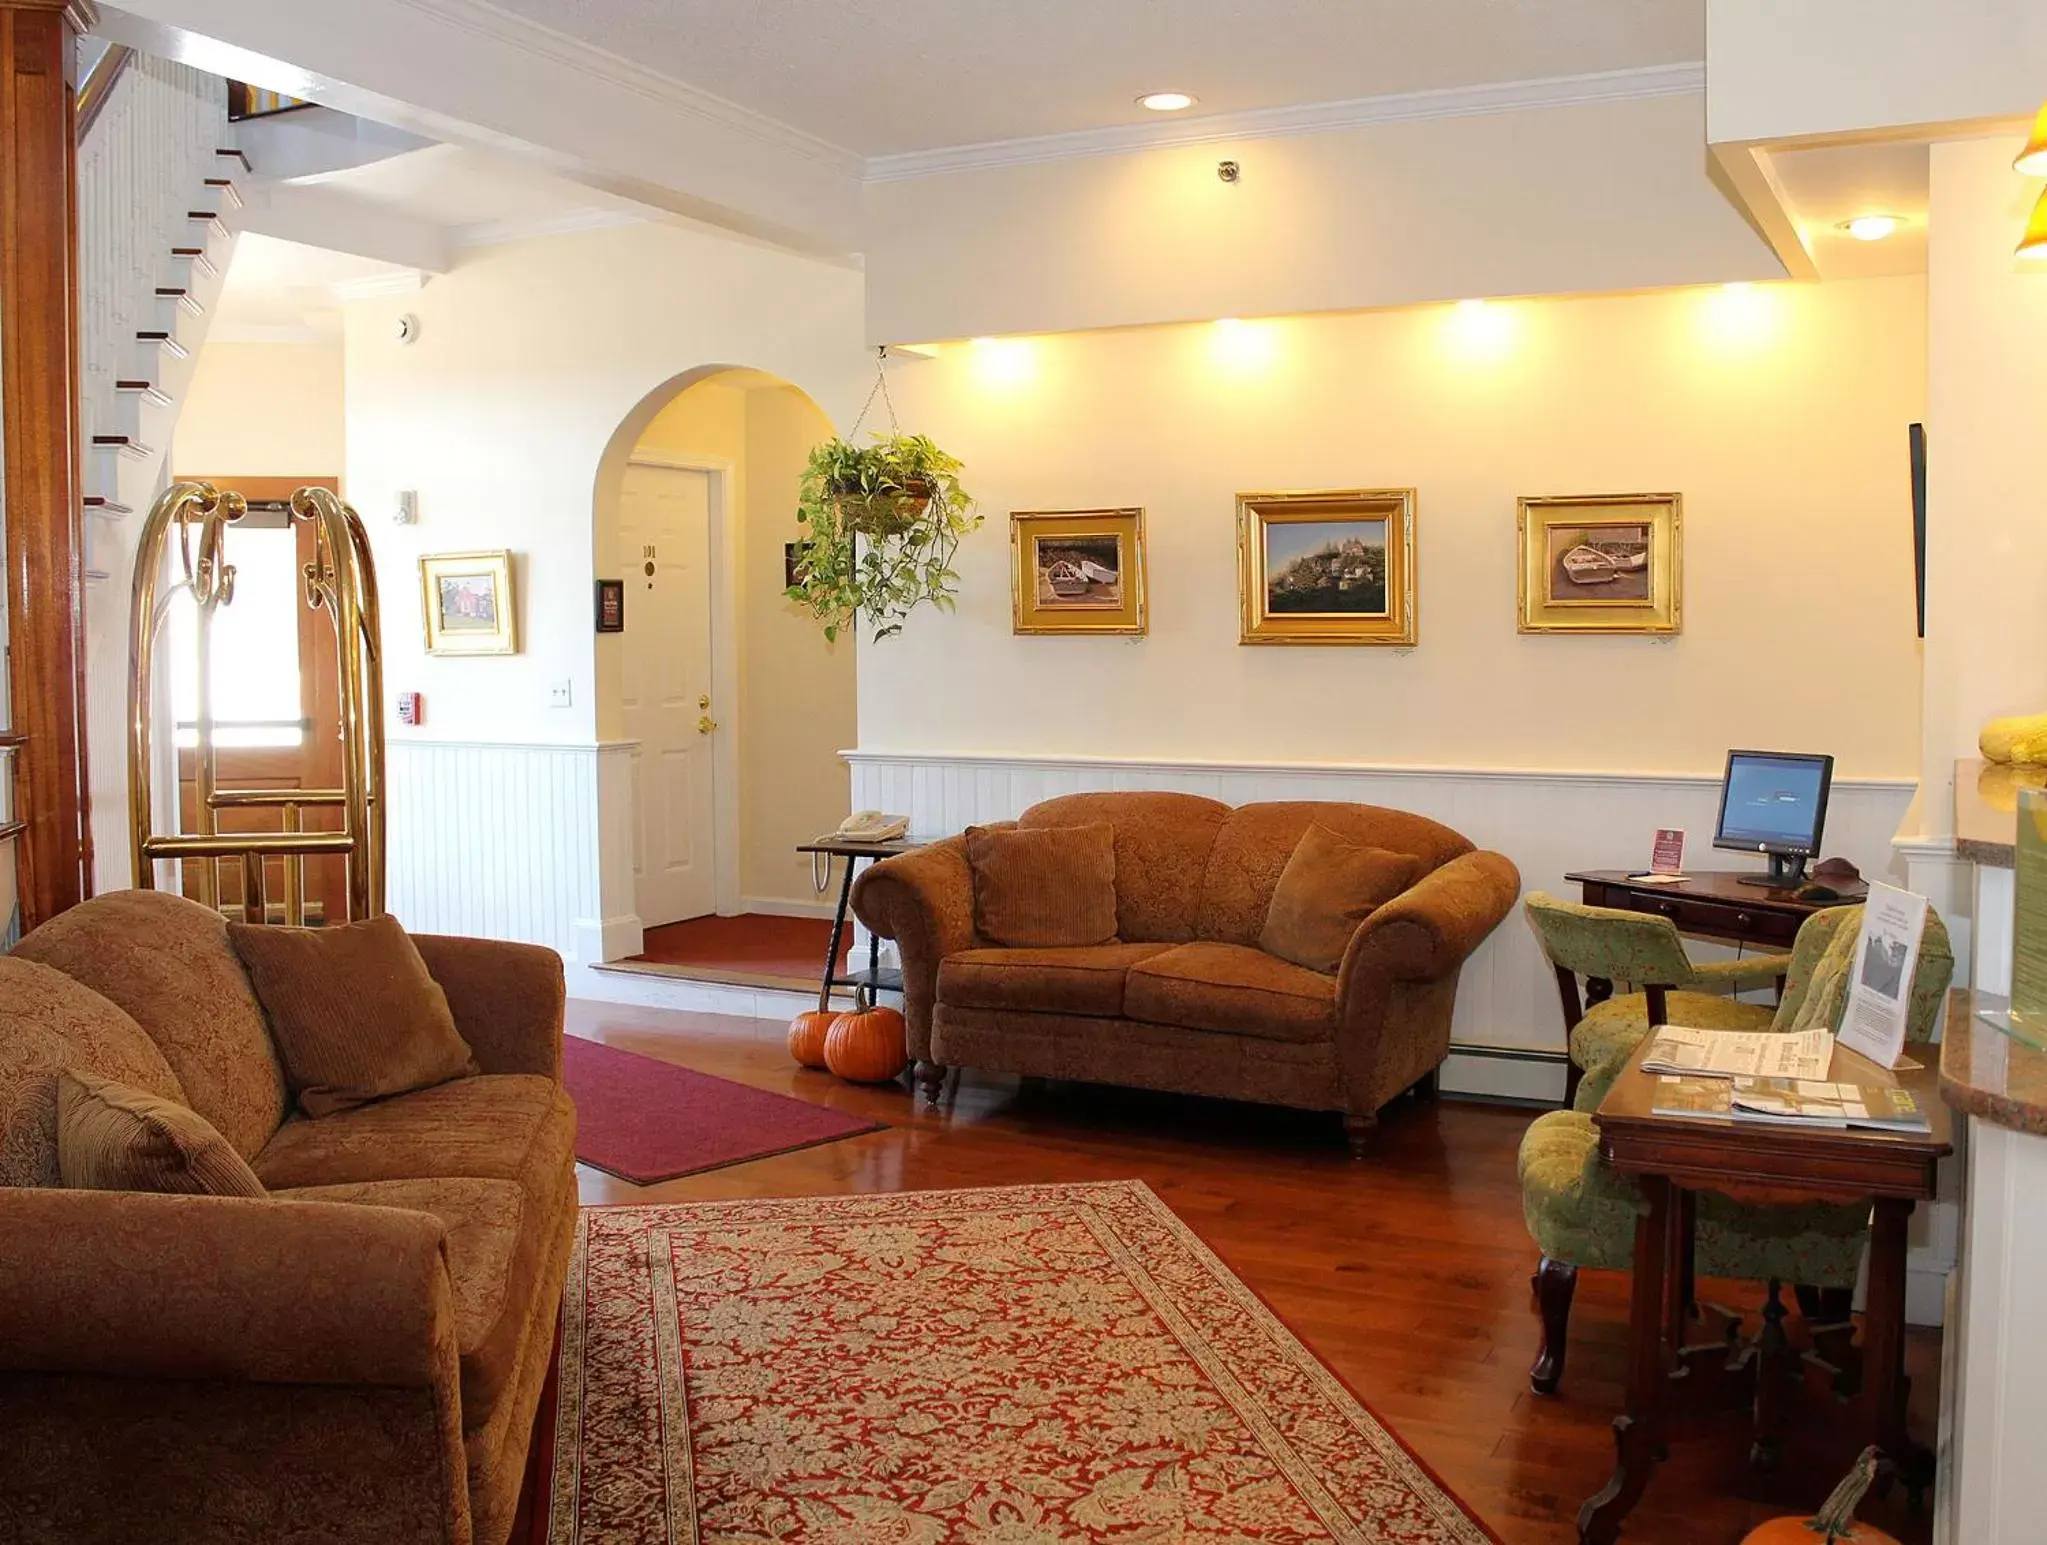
x=558 y=694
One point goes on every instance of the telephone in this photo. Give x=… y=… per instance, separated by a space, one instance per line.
x=873 y=826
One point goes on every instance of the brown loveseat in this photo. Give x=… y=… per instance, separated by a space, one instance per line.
x=1184 y=999
x=357 y=1356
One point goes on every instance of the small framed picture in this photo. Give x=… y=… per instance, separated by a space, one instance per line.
x=610 y=606
x=1334 y=567
x=1602 y=563
x=1077 y=571
x=468 y=603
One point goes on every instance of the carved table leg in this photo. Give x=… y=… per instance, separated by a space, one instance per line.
x=1883 y=1347
x=1773 y=1355
x=1635 y=1432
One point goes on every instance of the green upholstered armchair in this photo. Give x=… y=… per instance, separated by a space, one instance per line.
x=1606 y=944
x=1582 y=1213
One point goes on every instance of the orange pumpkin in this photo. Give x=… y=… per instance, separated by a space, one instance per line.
x=806 y=1036
x=866 y=1046
x=1835 y=1521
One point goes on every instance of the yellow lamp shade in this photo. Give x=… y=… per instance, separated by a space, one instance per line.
x=2034 y=243
x=2033 y=159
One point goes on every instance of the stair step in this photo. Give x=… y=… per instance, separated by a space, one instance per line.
x=187 y=301
x=149 y=391
x=196 y=256
x=225 y=188
x=112 y=509
x=164 y=340
x=208 y=218
x=236 y=155
x=125 y=445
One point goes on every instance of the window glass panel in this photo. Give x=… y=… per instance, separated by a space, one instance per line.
x=255 y=646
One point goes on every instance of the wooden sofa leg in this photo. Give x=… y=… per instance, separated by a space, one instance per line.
x=1554 y=1284
x=1428 y=1085
x=1360 y=1130
x=931 y=1076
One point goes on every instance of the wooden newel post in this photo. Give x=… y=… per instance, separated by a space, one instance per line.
x=43 y=488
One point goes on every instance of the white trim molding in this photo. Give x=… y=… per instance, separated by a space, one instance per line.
x=1306 y=118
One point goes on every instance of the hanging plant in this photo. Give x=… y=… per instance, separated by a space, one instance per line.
x=883 y=522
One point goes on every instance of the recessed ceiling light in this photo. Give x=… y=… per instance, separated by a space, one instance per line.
x=1871 y=227
x=1166 y=101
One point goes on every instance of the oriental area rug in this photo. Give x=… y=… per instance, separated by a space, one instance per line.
x=1032 y=1365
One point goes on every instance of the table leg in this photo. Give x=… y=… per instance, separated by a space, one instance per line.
x=1635 y=1432
x=1883 y=1338
x=831 y=959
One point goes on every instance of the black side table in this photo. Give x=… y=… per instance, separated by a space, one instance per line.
x=853 y=851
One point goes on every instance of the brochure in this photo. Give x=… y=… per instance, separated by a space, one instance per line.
x=1667 y=856
x=1886 y=958
x=1739 y=1053
x=1791 y=1102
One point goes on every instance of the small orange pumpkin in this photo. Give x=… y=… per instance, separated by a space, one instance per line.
x=866 y=1046
x=806 y=1036
x=1835 y=1521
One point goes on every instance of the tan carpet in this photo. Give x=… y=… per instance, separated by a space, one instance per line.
x=1032 y=1365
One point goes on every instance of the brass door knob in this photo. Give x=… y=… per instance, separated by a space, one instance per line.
x=706 y=724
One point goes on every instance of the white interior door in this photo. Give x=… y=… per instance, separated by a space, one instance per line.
x=665 y=554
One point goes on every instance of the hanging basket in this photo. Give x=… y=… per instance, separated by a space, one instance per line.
x=883 y=512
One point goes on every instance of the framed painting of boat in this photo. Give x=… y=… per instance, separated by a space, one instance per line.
x=1332 y=567
x=1602 y=563
x=1077 y=571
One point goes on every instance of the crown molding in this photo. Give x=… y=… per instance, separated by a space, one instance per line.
x=619 y=73
x=1306 y=118
x=494 y=233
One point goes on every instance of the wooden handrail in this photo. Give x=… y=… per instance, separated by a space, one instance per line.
x=98 y=87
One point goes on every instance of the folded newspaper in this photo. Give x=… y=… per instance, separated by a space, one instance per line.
x=1792 y=1102
x=1740 y=1053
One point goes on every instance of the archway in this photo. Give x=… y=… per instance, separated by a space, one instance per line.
x=722 y=705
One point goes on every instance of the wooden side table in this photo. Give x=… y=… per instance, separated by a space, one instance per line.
x=854 y=851
x=1674 y=1157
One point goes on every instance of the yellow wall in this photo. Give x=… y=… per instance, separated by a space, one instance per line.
x=262 y=410
x=1778 y=411
x=795 y=712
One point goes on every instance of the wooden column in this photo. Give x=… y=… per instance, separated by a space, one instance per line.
x=39 y=382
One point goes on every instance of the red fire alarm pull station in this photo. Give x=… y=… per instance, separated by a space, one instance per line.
x=411 y=709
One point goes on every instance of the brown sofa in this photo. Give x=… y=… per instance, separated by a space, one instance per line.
x=1184 y=999
x=357 y=1357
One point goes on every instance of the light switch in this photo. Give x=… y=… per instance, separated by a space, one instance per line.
x=558 y=693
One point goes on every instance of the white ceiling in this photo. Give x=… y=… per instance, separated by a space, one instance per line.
x=884 y=77
x=280 y=291
x=475 y=196
x=1823 y=187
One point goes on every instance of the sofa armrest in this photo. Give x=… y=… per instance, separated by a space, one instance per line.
x=1425 y=933
x=924 y=900
x=146 y=1286
x=506 y=998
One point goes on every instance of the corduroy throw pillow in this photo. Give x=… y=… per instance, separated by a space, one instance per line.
x=1327 y=889
x=1048 y=887
x=113 y=1137
x=353 y=1011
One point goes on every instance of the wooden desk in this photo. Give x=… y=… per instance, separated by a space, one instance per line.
x=1673 y=1157
x=852 y=850
x=1713 y=903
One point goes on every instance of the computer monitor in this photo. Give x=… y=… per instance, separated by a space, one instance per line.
x=1775 y=802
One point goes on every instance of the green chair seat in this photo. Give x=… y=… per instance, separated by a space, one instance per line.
x=1580 y=1210
x=1607 y=1036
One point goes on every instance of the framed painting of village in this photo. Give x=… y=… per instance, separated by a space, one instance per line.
x=467 y=599
x=1334 y=567
x=1077 y=571
x=1602 y=563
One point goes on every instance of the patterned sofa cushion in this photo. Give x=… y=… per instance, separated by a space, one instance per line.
x=1162 y=847
x=1232 y=990
x=167 y=962
x=48 y=1022
x=1047 y=981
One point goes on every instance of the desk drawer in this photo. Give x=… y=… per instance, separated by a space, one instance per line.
x=1716 y=919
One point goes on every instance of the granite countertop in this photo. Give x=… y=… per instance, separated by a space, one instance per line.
x=1987 y=1073
x=1986 y=809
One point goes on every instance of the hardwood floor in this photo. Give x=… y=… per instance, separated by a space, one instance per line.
x=1408 y=1273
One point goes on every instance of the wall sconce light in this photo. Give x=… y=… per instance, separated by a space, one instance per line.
x=2034 y=243
x=2033 y=159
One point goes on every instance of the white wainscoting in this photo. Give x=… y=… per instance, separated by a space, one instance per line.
x=1548 y=823
x=506 y=841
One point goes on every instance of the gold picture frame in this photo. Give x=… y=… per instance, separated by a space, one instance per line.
x=1601 y=563
x=468 y=603
x=1304 y=578
x=1077 y=571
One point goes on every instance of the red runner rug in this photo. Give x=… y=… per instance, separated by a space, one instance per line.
x=645 y=1120
x=1029 y=1365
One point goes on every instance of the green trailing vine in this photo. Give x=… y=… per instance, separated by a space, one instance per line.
x=882 y=523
